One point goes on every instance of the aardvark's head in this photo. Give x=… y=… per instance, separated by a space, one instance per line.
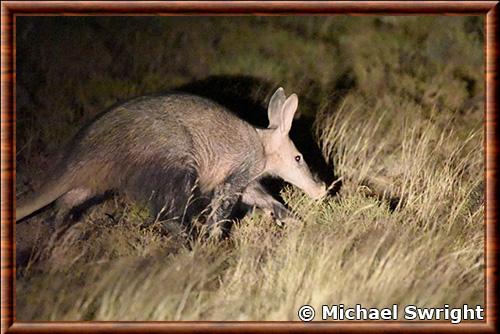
x=282 y=157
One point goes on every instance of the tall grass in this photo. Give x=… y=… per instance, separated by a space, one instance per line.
x=349 y=249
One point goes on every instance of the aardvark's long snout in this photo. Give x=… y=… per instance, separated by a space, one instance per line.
x=318 y=191
x=315 y=188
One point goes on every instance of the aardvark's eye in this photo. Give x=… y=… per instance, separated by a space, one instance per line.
x=297 y=158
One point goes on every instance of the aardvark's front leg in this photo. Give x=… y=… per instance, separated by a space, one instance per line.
x=255 y=195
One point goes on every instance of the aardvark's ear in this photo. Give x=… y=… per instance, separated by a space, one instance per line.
x=289 y=109
x=275 y=108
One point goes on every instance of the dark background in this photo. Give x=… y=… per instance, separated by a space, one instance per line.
x=68 y=69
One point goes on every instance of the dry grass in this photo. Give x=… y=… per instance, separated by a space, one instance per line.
x=349 y=249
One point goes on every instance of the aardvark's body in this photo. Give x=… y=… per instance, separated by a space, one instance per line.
x=181 y=154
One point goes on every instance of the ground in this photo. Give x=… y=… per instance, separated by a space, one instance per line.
x=394 y=106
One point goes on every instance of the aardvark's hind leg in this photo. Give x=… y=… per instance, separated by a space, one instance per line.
x=70 y=205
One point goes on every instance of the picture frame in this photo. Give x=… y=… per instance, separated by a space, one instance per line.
x=11 y=9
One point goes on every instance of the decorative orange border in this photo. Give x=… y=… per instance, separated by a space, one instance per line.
x=12 y=8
